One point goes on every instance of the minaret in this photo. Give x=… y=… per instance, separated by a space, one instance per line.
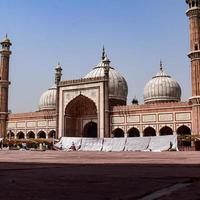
x=4 y=84
x=106 y=63
x=58 y=76
x=193 y=13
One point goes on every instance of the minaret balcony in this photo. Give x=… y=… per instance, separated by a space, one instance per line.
x=4 y=83
x=195 y=100
x=193 y=55
x=193 y=12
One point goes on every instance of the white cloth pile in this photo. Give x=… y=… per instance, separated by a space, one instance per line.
x=91 y=144
x=137 y=143
x=114 y=144
x=66 y=143
x=163 y=143
x=155 y=144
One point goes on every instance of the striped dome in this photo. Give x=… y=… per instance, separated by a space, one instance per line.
x=48 y=99
x=118 y=88
x=162 y=88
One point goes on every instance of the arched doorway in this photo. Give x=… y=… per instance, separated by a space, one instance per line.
x=52 y=134
x=41 y=134
x=118 y=132
x=10 y=135
x=90 y=130
x=166 y=131
x=77 y=111
x=20 y=135
x=149 y=131
x=133 y=132
x=30 y=134
x=184 y=131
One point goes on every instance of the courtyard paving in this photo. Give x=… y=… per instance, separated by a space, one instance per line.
x=97 y=175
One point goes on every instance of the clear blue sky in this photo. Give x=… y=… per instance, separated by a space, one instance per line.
x=136 y=34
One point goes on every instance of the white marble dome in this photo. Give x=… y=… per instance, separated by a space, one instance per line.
x=118 y=88
x=48 y=99
x=162 y=88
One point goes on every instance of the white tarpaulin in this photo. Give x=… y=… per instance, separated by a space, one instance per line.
x=163 y=143
x=114 y=144
x=66 y=142
x=156 y=144
x=118 y=144
x=91 y=144
x=107 y=144
x=137 y=143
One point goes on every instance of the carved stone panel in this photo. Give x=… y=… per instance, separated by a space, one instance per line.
x=21 y=125
x=117 y=120
x=133 y=118
x=52 y=123
x=149 y=118
x=165 y=117
x=31 y=124
x=183 y=116
x=11 y=125
x=42 y=123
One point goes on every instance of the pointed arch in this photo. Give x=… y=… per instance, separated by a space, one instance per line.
x=10 y=135
x=41 y=134
x=166 y=130
x=52 y=134
x=20 y=135
x=90 y=130
x=118 y=132
x=81 y=105
x=30 y=135
x=183 y=130
x=133 y=132
x=149 y=131
x=78 y=110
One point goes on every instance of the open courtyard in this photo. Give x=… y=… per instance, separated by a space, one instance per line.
x=97 y=175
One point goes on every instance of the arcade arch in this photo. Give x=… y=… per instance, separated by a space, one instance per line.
x=30 y=135
x=166 y=130
x=133 y=132
x=149 y=131
x=20 y=135
x=52 y=134
x=118 y=133
x=41 y=134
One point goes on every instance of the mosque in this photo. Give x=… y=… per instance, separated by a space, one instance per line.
x=96 y=105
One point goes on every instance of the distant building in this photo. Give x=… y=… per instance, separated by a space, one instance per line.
x=95 y=106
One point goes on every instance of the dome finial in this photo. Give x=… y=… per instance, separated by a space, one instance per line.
x=161 y=65
x=103 y=53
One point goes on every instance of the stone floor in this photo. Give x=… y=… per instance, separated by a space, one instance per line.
x=97 y=175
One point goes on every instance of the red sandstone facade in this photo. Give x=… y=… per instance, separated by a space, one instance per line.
x=85 y=102
x=194 y=17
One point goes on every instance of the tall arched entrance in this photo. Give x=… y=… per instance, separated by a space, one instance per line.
x=90 y=130
x=79 y=111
